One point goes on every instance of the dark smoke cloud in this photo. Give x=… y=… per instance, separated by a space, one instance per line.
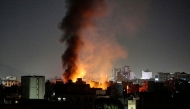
x=80 y=15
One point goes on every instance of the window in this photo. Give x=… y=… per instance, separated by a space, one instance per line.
x=59 y=98
x=64 y=99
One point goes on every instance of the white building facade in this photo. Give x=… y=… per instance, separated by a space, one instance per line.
x=146 y=74
x=33 y=87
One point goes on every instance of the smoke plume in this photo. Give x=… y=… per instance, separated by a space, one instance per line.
x=80 y=15
x=92 y=30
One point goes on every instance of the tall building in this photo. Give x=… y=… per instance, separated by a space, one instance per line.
x=116 y=75
x=132 y=76
x=125 y=72
x=33 y=87
x=122 y=74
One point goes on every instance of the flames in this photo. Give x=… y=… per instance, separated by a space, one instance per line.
x=79 y=17
x=91 y=51
x=80 y=73
x=89 y=78
x=90 y=29
x=94 y=84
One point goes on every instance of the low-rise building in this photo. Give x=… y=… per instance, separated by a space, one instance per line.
x=146 y=74
x=10 y=81
x=182 y=75
x=163 y=76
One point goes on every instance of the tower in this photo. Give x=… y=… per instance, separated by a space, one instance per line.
x=33 y=87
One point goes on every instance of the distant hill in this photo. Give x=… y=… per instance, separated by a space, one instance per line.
x=6 y=70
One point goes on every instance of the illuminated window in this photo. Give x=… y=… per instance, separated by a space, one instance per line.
x=16 y=102
x=59 y=98
x=64 y=99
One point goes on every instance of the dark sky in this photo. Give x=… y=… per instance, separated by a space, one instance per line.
x=155 y=35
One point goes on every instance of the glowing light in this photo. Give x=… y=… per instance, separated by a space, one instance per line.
x=94 y=84
x=81 y=73
x=64 y=99
x=59 y=99
x=16 y=102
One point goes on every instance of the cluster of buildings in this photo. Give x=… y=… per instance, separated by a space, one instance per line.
x=124 y=91
x=126 y=74
x=122 y=74
x=10 y=81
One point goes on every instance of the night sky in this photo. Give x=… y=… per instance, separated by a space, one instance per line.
x=155 y=35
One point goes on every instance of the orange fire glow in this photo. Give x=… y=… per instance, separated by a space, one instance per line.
x=79 y=74
x=99 y=49
x=99 y=83
x=94 y=84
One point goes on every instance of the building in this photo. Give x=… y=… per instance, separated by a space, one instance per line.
x=10 y=81
x=116 y=75
x=126 y=71
x=182 y=76
x=78 y=93
x=132 y=76
x=1 y=81
x=2 y=94
x=122 y=74
x=171 y=76
x=33 y=87
x=132 y=104
x=146 y=74
x=163 y=76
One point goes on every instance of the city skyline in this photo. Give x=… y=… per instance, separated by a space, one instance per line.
x=154 y=34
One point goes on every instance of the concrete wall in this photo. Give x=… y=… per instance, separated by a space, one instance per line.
x=33 y=87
